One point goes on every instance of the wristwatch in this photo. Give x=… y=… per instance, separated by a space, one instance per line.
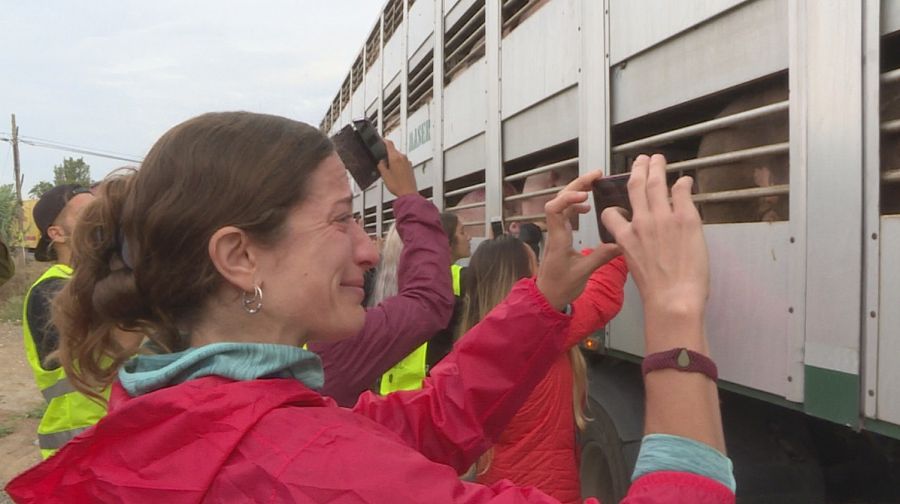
x=681 y=359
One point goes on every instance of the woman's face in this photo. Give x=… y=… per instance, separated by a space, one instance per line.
x=463 y=246
x=312 y=278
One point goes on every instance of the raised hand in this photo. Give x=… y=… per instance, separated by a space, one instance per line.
x=564 y=272
x=663 y=243
x=397 y=172
x=664 y=248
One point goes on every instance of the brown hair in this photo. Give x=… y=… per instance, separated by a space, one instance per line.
x=494 y=268
x=140 y=249
x=449 y=221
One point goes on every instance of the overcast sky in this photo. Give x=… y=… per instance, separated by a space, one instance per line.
x=115 y=75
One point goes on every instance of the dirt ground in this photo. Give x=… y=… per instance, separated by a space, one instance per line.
x=20 y=407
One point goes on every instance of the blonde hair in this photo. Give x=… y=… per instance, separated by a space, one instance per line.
x=494 y=268
x=386 y=273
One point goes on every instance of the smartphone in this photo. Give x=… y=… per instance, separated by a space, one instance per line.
x=361 y=149
x=497 y=227
x=608 y=192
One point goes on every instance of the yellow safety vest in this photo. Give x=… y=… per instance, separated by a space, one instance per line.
x=409 y=372
x=68 y=411
x=456 y=273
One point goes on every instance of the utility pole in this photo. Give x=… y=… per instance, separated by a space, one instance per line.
x=20 y=213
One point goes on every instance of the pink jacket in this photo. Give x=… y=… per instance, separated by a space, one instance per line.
x=214 y=439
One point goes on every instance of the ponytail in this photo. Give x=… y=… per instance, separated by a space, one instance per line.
x=99 y=312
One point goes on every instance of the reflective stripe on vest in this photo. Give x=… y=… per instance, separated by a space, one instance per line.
x=68 y=412
x=63 y=386
x=409 y=372
x=56 y=440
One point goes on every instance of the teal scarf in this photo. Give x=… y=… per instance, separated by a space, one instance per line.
x=238 y=361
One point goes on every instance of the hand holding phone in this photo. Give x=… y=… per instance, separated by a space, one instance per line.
x=609 y=192
x=397 y=172
x=361 y=149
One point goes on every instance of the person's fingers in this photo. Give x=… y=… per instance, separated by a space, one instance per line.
x=564 y=200
x=580 y=208
x=383 y=167
x=572 y=212
x=614 y=221
x=637 y=184
x=598 y=257
x=564 y=204
x=584 y=182
x=392 y=155
x=657 y=190
x=559 y=232
x=681 y=197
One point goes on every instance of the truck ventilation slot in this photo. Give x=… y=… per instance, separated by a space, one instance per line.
x=387 y=217
x=373 y=46
x=393 y=16
x=345 y=92
x=521 y=176
x=737 y=151
x=357 y=73
x=464 y=41
x=466 y=199
x=392 y=110
x=516 y=11
x=373 y=117
x=890 y=142
x=369 y=220
x=421 y=82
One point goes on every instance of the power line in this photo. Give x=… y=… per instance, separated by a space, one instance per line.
x=74 y=146
x=49 y=144
x=78 y=151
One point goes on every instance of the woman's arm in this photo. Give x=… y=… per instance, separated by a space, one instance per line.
x=601 y=300
x=667 y=256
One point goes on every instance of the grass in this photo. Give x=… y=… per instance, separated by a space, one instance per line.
x=11 y=308
x=6 y=430
x=37 y=411
x=12 y=293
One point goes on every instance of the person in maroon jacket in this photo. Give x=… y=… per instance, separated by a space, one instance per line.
x=233 y=246
x=401 y=323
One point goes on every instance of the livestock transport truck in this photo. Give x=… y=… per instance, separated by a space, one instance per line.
x=785 y=112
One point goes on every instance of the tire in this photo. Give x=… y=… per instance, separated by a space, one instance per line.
x=605 y=470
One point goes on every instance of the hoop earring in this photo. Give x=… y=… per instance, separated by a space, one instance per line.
x=252 y=304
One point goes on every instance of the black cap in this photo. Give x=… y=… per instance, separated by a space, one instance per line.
x=46 y=210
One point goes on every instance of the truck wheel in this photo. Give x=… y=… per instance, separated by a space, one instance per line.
x=605 y=474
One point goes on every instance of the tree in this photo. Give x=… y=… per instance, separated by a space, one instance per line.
x=7 y=213
x=72 y=171
x=39 y=189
